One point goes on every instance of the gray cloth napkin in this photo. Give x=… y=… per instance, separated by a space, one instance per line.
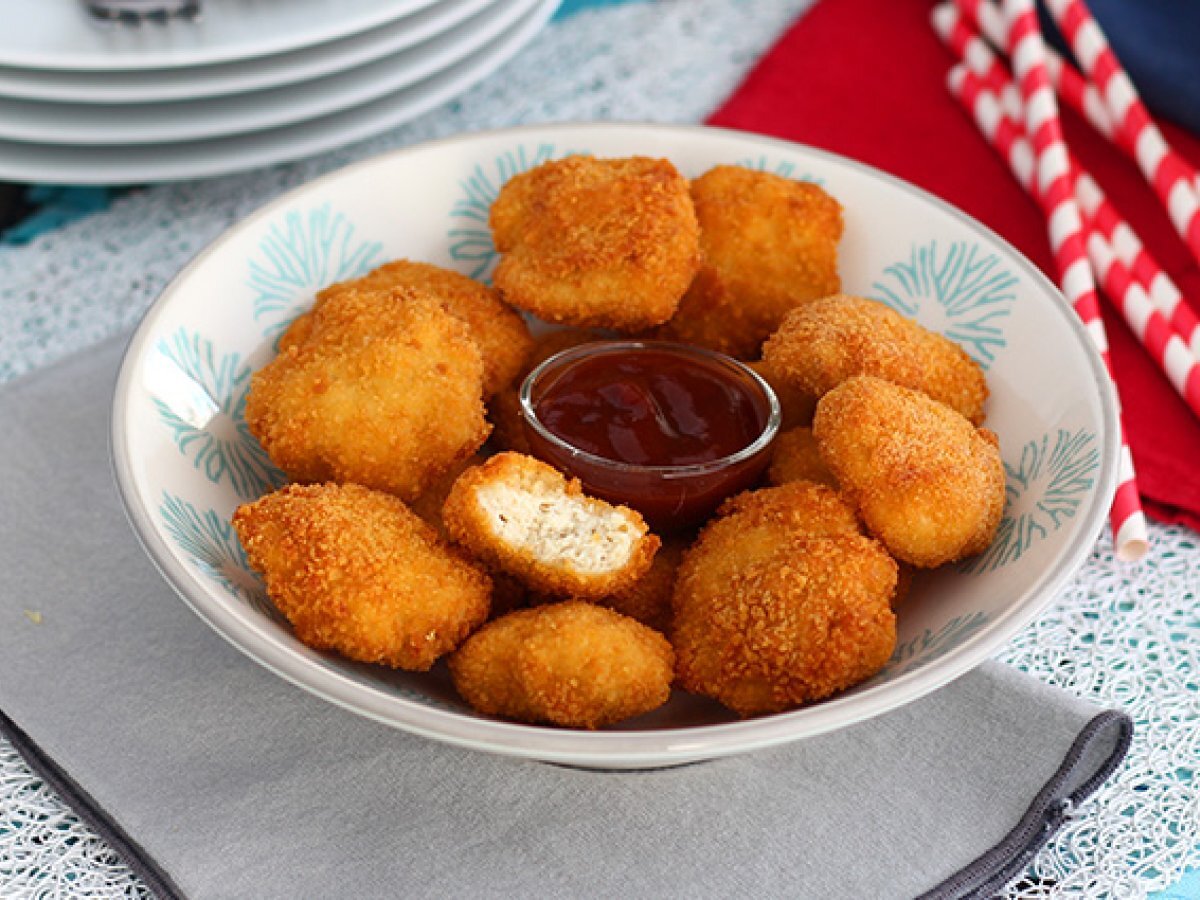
x=218 y=779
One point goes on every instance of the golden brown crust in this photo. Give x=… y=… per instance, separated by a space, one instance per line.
x=499 y=331
x=795 y=457
x=354 y=570
x=798 y=507
x=768 y=628
x=827 y=341
x=604 y=242
x=769 y=244
x=572 y=664
x=381 y=388
x=539 y=555
x=926 y=482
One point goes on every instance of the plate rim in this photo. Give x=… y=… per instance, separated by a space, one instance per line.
x=280 y=106
x=214 y=83
x=613 y=748
x=281 y=146
x=149 y=61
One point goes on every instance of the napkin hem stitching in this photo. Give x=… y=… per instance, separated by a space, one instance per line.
x=131 y=853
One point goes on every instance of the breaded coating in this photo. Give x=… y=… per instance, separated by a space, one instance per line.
x=504 y=409
x=927 y=483
x=795 y=457
x=768 y=627
x=606 y=242
x=572 y=664
x=795 y=508
x=502 y=335
x=769 y=244
x=523 y=517
x=649 y=598
x=381 y=388
x=796 y=408
x=354 y=570
x=827 y=341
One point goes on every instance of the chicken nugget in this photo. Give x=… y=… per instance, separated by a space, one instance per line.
x=606 y=242
x=798 y=507
x=381 y=388
x=502 y=335
x=795 y=457
x=355 y=571
x=767 y=627
x=572 y=664
x=523 y=517
x=504 y=409
x=769 y=244
x=927 y=483
x=829 y=340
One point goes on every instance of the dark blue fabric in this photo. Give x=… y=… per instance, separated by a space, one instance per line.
x=1158 y=43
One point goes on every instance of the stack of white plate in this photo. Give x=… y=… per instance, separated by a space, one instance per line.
x=253 y=82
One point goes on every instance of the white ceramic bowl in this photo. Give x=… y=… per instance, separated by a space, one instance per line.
x=184 y=459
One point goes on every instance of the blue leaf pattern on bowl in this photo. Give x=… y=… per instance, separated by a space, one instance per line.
x=298 y=256
x=964 y=293
x=200 y=395
x=1044 y=489
x=930 y=645
x=210 y=541
x=470 y=236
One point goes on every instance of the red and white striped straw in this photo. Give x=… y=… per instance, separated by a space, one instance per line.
x=1167 y=172
x=1080 y=94
x=987 y=17
x=1083 y=97
x=1162 y=291
x=1151 y=326
x=1130 y=533
x=957 y=34
x=1074 y=89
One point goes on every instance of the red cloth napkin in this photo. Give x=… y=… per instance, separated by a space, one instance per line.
x=867 y=79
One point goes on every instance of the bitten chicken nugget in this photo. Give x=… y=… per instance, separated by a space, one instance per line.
x=354 y=570
x=523 y=517
x=769 y=244
x=795 y=457
x=502 y=335
x=769 y=626
x=504 y=409
x=572 y=664
x=606 y=242
x=829 y=340
x=927 y=483
x=384 y=389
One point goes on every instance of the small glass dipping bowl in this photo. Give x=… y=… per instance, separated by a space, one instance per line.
x=670 y=497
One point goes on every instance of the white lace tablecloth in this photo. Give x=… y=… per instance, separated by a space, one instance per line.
x=1125 y=636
